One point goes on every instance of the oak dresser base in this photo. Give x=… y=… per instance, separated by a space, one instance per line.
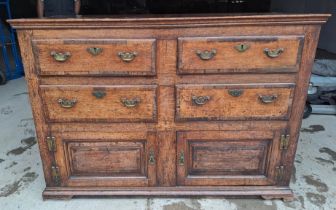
x=169 y=106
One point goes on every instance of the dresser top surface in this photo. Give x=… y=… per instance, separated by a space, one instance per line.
x=178 y=20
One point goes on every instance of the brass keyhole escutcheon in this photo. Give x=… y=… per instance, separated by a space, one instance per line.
x=99 y=94
x=242 y=47
x=236 y=92
x=95 y=50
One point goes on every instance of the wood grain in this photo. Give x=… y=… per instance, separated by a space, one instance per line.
x=227 y=158
x=229 y=60
x=81 y=62
x=300 y=95
x=223 y=106
x=106 y=158
x=231 y=144
x=41 y=128
x=172 y=21
x=110 y=107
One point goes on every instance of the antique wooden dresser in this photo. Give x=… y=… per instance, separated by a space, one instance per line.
x=171 y=106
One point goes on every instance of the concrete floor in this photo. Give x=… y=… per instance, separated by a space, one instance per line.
x=22 y=182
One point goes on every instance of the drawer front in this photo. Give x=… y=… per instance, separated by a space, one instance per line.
x=234 y=102
x=106 y=159
x=79 y=103
x=227 y=157
x=239 y=54
x=95 y=56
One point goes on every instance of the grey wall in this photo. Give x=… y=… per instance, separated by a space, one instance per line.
x=328 y=33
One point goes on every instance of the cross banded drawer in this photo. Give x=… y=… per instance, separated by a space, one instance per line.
x=79 y=103
x=239 y=54
x=233 y=102
x=118 y=57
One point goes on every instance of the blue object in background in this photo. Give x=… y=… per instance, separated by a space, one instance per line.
x=8 y=41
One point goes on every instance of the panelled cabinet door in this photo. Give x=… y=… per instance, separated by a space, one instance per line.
x=106 y=159
x=235 y=158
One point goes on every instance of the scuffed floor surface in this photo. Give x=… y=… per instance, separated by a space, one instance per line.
x=21 y=177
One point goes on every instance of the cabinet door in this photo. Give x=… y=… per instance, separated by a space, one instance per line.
x=106 y=159
x=227 y=158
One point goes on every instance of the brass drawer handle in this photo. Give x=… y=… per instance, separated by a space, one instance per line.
x=242 y=47
x=99 y=94
x=273 y=53
x=206 y=55
x=181 y=158
x=60 y=57
x=130 y=103
x=94 y=50
x=267 y=99
x=200 y=100
x=67 y=103
x=236 y=92
x=127 y=56
x=151 y=158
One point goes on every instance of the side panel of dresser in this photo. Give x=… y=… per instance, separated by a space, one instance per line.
x=311 y=40
x=25 y=41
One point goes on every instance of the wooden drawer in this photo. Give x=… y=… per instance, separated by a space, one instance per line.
x=121 y=57
x=227 y=157
x=233 y=102
x=106 y=159
x=239 y=54
x=80 y=103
